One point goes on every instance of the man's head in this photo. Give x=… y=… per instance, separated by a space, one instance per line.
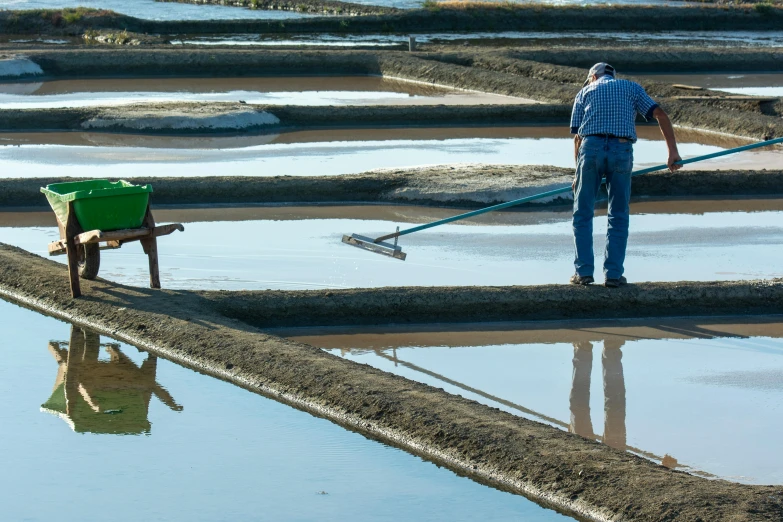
x=598 y=70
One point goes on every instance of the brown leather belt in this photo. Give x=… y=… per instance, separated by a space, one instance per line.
x=612 y=136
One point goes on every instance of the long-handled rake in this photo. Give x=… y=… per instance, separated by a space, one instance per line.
x=380 y=245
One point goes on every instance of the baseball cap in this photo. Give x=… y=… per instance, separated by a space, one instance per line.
x=599 y=70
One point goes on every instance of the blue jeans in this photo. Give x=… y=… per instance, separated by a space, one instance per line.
x=598 y=158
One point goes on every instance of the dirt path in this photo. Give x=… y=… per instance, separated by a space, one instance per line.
x=451 y=185
x=403 y=305
x=513 y=453
x=225 y=117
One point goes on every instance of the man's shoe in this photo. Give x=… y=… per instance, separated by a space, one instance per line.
x=576 y=279
x=615 y=283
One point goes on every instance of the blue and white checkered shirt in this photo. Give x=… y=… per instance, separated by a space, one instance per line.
x=609 y=106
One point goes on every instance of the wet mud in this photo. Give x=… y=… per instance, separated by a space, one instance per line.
x=233 y=117
x=654 y=58
x=346 y=134
x=470 y=18
x=578 y=475
x=735 y=82
x=563 y=65
x=558 y=83
x=271 y=309
x=755 y=118
x=323 y=7
x=750 y=119
x=401 y=213
x=446 y=185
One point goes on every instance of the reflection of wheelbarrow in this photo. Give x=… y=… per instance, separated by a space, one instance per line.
x=98 y=214
x=95 y=395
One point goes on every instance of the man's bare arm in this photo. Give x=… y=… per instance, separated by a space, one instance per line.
x=577 y=143
x=668 y=134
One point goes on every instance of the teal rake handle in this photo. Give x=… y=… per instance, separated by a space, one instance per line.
x=568 y=188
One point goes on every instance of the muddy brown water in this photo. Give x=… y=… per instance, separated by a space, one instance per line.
x=301 y=90
x=102 y=139
x=295 y=248
x=132 y=424
x=333 y=152
x=701 y=395
x=411 y=214
x=751 y=84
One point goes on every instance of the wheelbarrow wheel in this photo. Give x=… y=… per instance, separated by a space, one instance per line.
x=89 y=260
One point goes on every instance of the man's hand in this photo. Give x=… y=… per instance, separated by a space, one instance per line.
x=674 y=157
x=668 y=134
x=573 y=184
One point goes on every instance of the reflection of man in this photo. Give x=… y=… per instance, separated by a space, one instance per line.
x=614 y=392
x=103 y=396
x=581 y=423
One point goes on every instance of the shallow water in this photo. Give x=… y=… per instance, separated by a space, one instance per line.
x=336 y=151
x=686 y=393
x=316 y=90
x=409 y=213
x=287 y=253
x=750 y=84
x=538 y=38
x=347 y=135
x=152 y=10
x=103 y=425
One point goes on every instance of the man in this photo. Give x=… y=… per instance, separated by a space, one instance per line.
x=603 y=124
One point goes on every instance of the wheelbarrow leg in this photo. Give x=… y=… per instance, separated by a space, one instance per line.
x=150 y=246
x=72 y=229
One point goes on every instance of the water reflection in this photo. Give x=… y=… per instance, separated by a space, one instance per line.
x=615 y=433
x=614 y=399
x=614 y=392
x=99 y=395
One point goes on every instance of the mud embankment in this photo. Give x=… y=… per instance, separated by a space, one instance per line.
x=754 y=118
x=200 y=118
x=728 y=120
x=562 y=81
x=655 y=58
x=447 y=185
x=411 y=305
x=484 y=443
x=219 y=117
x=324 y=7
x=515 y=17
x=494 y=72
x=562 y=66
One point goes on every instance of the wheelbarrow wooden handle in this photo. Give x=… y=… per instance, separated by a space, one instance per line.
x=122 y=236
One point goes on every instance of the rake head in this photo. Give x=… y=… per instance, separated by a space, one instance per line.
x=379 y=247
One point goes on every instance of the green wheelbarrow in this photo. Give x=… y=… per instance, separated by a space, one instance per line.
x=97 y=215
